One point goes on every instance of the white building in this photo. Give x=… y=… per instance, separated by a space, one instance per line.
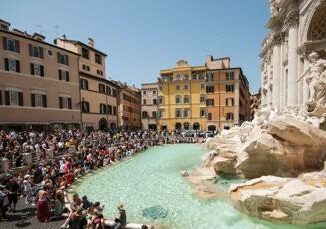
x=297 y=28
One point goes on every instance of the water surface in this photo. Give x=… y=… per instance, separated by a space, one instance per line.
x=153 y=178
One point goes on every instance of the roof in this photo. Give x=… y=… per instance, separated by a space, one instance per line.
x=34 y=40
x=83 y=44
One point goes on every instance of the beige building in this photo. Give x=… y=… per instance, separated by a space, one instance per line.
x=149 y=93
x=255 y=104
x=129 y=106
x=98 y=95
x=39 y=83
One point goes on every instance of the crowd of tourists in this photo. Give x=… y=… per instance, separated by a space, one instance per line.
x=53 y=161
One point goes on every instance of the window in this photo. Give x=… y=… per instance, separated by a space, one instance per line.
x=202 y=86
x=178 y=77
x=102 y=108
x=98 y=59
x=160 y=100
x=108 y=90
x=10 y=45
x=186 y=86
x=14 y=98
x=210 y=102
x=145 y=114
x=86 y=67
x=154 y=92
x=99 y=72
x=229 y=76
x=84 y=84
x=114 y=92
x=85 y=53
x=229 y=88
x=154 y=114
x=202 y=112
x=160 y=113
x=109 y=109
x=186 y=113
x=177 y=87
x=229 y=116
x=186 y=99
x=64 y=75
x=178 y=113
x=209 y=77
x=186 y=76
x=209 y=89
x=35 y=51
x=144 y=101
x=202 y=98
x=65 y=102
x=12 y=65
x=209 y=116
x=101 y=88
x=178 y=99
x=194 y=76
x=38 y=100
x=201 y=76
x=144 y=92
x=154 y=101
x=85 y=106
x=229 y=101
x=37 y=69
x=63 y=59
x=114 y=110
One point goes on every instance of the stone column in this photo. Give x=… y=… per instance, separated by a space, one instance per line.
x=277 y=72
x=292 y=21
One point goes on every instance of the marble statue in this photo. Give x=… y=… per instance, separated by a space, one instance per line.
x=274 y=6
x=316 y=79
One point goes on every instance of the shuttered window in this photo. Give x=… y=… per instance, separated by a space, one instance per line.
x=38 y=100
x=35 y=51
x=12 y=65
x=37 y=69
x=63 y=75
x=11 y=45
x=65 y=102
x=14 y=98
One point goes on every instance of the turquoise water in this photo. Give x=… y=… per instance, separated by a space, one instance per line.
x=153 y=178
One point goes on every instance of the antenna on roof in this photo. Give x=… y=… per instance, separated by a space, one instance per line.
x=40 y=27
x=56 y=30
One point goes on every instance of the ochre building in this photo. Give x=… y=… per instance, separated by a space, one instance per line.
x=39 y=83
x=213 y=96
x=98 y=95
x=129 y=106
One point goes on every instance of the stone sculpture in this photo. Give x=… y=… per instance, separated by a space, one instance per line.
x=316 y=79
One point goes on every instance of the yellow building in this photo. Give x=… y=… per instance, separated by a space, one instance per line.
x=209 y=97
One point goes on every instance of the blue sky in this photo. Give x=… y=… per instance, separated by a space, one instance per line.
x=141 y=37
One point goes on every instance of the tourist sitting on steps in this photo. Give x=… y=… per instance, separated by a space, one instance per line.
x=122 y=220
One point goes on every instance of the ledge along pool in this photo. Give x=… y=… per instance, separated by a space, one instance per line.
x=153 y=191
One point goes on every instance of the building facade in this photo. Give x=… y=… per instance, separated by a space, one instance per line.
x=32 y=92
x=297 y=29
x=98 y=95
x=209 y=97
x=149 y=93
x=255 y=104
x=129 y=106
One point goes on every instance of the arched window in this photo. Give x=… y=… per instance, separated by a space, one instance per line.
x=317 y=29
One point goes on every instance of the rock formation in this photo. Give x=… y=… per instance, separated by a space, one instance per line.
x=276 y=149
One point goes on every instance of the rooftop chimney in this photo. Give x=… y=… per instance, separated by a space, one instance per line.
x=38 y=37
x=90 y=42
x=4 y=25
